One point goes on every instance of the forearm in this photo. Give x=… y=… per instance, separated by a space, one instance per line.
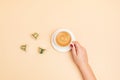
x=80 y=57
x=86 y=71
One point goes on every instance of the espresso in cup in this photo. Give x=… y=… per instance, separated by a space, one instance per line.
x=63 y=39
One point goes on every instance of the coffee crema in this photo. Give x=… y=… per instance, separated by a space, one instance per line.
x=63 y=39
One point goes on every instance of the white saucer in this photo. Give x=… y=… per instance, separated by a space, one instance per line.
x=59 y=48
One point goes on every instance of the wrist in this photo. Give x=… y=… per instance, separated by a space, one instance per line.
x=82 y=64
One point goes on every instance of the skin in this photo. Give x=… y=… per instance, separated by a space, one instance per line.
x=80 y=58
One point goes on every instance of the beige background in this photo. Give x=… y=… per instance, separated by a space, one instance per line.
x=95 y=24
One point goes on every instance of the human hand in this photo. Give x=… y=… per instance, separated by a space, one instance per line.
x=79 y=54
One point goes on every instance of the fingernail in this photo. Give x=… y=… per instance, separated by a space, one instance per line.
x=75 y=45
x=71 y=45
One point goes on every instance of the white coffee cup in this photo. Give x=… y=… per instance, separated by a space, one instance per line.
x=58 y=47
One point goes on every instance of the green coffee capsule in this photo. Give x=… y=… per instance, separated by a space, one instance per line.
x=35 y=35
x=23 y=47
x=41 y=50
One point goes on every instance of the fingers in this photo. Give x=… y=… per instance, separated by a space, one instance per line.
x=73 y=49
x=76 y=47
